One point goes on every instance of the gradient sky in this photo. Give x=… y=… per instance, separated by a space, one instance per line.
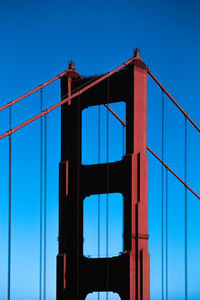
x=38 y=38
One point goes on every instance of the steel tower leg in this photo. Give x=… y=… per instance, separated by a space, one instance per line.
x=129 y=273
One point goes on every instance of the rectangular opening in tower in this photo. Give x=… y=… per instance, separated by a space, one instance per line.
x=103 y=225
x=102 y=296
x=103 y=135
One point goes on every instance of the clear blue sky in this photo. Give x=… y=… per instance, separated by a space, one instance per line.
x=38 y=38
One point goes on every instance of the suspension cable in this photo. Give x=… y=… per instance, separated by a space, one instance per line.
x=45 y=203
x=166 y=234
x=115 y=115
x=186 y=269
x=78 y=196
x=41 y=193
x=41 y=86
x=99 y=160
x=162 y=206
x=107 y=199
x=123 y=153
x=44 y=113
x=173 y=100
x=171 y=171
x=9 y=207
x=67 y=99
x=96 y=82
x=82 y=90
x=123 y=139
x=63 y=74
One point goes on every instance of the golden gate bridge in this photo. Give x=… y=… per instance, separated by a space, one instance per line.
x=126 y=274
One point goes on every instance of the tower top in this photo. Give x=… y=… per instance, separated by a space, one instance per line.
x=137 y=52
x=71 y=65
x=71 y=72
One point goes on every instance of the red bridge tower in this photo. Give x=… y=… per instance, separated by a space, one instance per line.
x=129 y=273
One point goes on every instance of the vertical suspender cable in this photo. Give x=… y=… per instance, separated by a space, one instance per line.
x=166 y=234
x=41 y=190
x=166 y=204
x=107 y=196
x=9 y=208
x=123 y=137
x=123 y=152
x=186 y=284
x=162 y=207
x=78 y=193
x=99 y=159
x=45 y=202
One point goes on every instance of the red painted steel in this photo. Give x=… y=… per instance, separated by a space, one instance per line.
x=173 y=100
x=67 y=99
x=154 y=154
x=129 y=273
x=115 y=115
x=179 y=178
x=34 y=90
x=139 y=255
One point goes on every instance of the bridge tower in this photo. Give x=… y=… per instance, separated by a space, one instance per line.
x=129 y=273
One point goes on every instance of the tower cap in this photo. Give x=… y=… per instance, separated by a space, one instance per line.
x=137 y=52
x=71 y=65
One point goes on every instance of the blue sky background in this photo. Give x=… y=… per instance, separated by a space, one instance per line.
x=38 y=38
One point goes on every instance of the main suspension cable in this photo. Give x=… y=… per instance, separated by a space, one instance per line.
x=63 y=74
x=67 y=99
x=41 y=86
x=173 y=100
x=115 y=115
x=171 y=171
